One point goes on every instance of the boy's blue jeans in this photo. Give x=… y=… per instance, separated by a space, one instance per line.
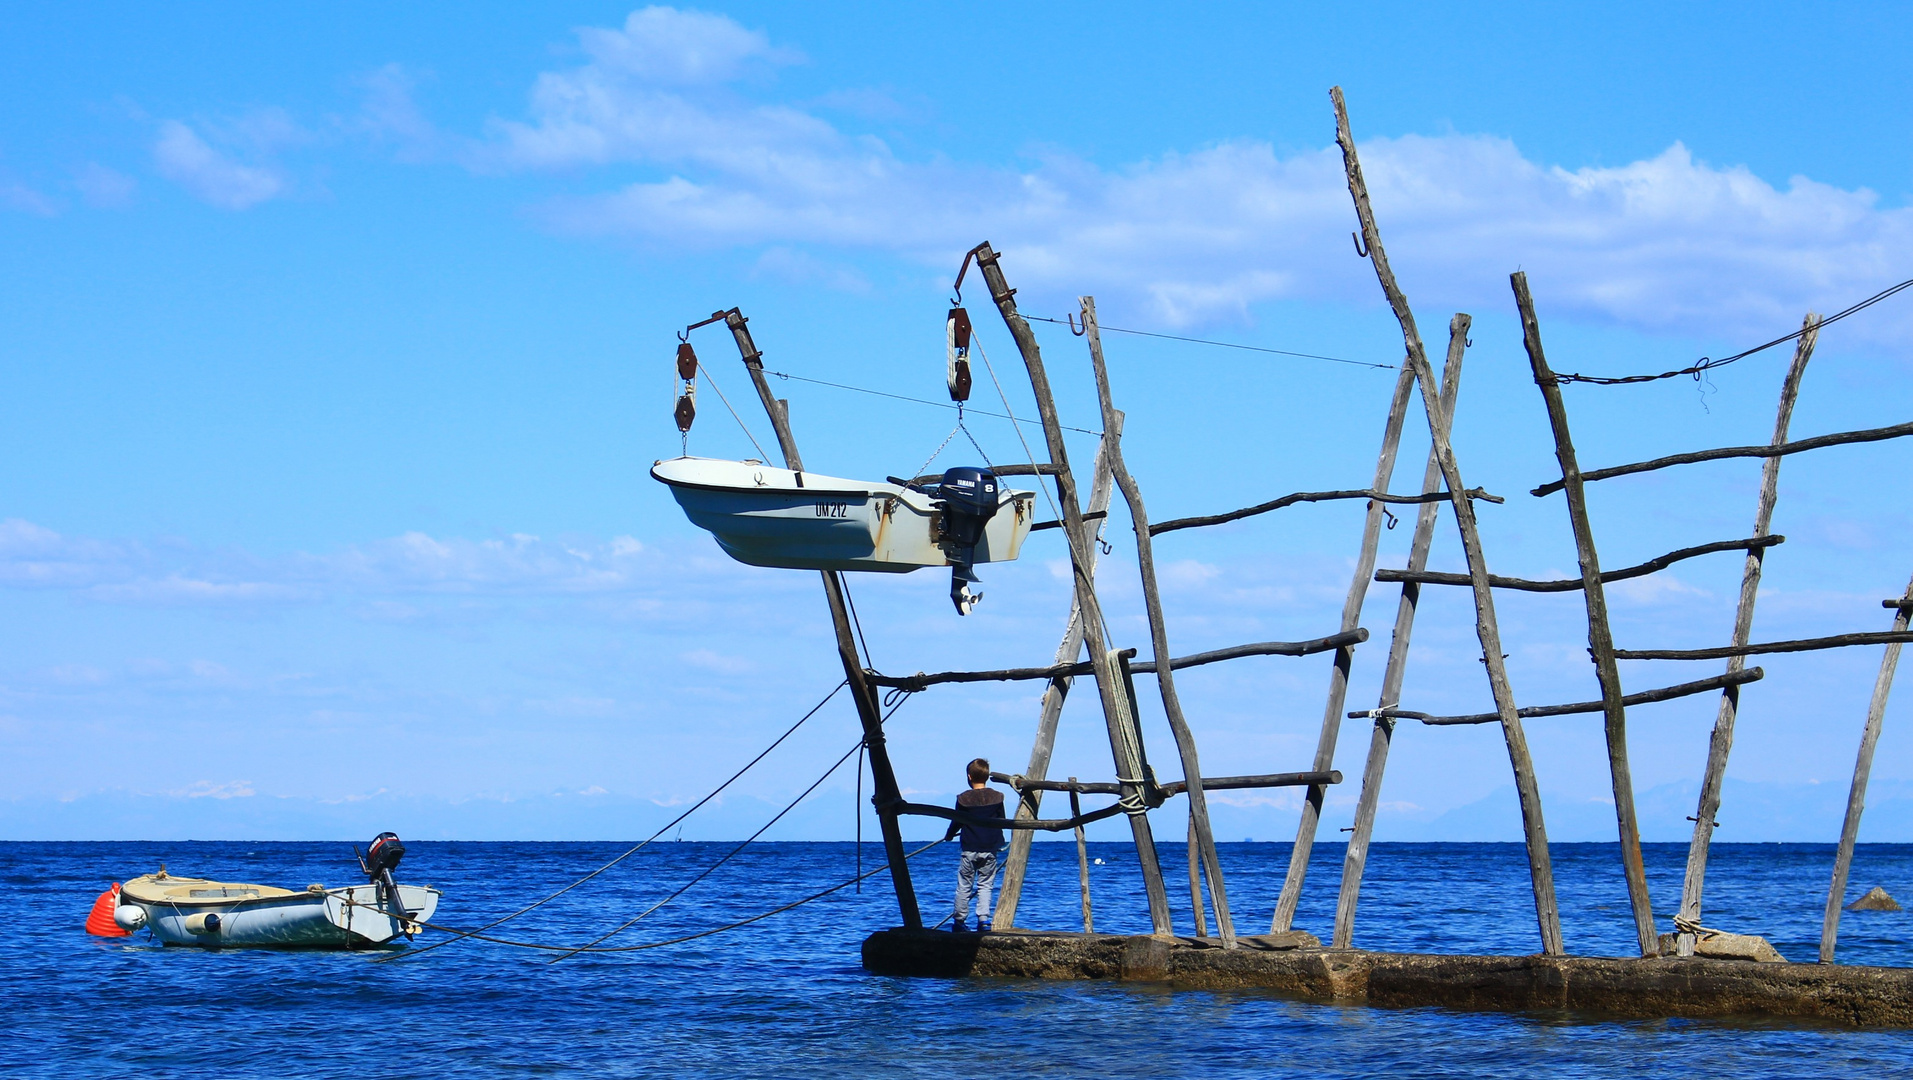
x=976 y=873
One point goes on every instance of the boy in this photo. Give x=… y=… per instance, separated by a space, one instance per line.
x=976 y=866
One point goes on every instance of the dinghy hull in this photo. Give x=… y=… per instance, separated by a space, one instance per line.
x=205 y=914
x=766 y=516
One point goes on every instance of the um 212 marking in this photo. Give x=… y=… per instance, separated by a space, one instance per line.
x=833 y=510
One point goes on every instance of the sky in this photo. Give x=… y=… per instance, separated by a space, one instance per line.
x=337 y=343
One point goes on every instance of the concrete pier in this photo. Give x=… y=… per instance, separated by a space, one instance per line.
x=1295 y=964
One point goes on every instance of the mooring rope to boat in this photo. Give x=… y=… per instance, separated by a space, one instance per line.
x=569 y=950
x=729 y=855
x=640 y=847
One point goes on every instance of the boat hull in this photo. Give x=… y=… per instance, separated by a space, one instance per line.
x=766 y=516
x=262 y=917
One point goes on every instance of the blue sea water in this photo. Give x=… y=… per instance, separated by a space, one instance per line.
x=787 y=997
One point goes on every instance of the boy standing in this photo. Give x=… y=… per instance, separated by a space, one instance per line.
x=976 y=866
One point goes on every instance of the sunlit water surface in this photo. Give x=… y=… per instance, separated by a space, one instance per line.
x=787 y=997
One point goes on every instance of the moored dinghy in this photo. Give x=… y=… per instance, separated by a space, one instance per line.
x=768 y=516
x=224 y=914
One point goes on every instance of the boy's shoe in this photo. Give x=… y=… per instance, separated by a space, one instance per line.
x=982 y=925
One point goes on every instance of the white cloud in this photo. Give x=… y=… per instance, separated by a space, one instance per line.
x=215 y=177
x=20 y=197
x=1664 y=244
x=107 y=189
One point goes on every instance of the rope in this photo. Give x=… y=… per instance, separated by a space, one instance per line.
x=1707 y=364
x=674 y=821
x=913 y=400
x=792 y=805
x=1225 y=344
x=1028 y=454
x=477 y=935
x=728 y=856
x=727 y=404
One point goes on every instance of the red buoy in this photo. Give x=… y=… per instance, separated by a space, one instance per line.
x=100 y=922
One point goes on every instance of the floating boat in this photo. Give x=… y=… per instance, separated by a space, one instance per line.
x=769 y=516
x=223 y=914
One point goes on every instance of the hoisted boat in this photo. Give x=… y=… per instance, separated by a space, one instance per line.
x=769 y=516
x=225 y=914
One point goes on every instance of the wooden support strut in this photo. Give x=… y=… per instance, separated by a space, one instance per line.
x=1355 y=861
x=1528 y=712
x=1862 y=769
x=1125 y=735
x=1082 y=859
x=1721 y=743
x=1016 y=864
x=883 y=778
x=1600 y=633
x=921 y=680
x=1777 y=450
x=1174 y=787
x=1658 y=563
x=1371 y=494
x=1344 y=660
x=1201 y=840
x=1540 y=865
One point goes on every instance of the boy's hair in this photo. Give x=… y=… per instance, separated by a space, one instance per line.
x=979 y=771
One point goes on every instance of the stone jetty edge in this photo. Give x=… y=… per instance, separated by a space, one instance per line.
x=1295 y=965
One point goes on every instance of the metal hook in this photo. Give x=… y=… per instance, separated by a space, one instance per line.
x=1392 y=520
x=1359 y=248
x=1070 y=316
x=684 y=337
x=1471 y=343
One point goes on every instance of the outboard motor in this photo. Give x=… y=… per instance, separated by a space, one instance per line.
x=967 y=496
x=382 y=857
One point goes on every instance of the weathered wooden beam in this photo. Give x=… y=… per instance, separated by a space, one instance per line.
x=1175 y=787
x=1355 y=860
x=1721 y=742
x=1016 y=863
x=1371 y=494
x=1529 y=712
x=1145 y=667
x=1202 y=841
x=1125 y=734
x=863 y=693
x=1540 y=863
x=1838 y=438
x=1195 y=880
x=1344 y=659
x=1857 y=794
x=1550 y=585
x=1600 y=633
x=1082 y=860
x=1835 y=641
x=915 y=809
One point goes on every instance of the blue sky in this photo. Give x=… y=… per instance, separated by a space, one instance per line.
x=337 y=345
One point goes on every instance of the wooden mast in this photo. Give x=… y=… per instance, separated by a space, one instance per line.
x=885 y=794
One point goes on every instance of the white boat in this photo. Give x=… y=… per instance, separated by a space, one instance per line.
x=223 y=914
x=769 y=516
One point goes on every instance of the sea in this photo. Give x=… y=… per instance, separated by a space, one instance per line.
x=785 y=996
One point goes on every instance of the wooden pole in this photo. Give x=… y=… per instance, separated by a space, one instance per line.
x=1722 y=741
x=1356 y=860
x=1125 y=735
x=885 y=793
x=1344 y=659
x=1862 y=769
x=1540 y=866
x=1031 y=799
x=1195 y=880
x=1600 y=633
x=1082 y=857
x=1204 y=840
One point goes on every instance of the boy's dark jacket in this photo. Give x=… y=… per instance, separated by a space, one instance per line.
x=983 y=803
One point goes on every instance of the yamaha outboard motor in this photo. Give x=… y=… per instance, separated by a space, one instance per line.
x=381 y=858
x=968 y=498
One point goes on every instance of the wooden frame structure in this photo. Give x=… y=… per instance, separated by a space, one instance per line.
x=1113 y=669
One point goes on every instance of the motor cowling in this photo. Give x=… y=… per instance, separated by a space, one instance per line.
x=968 y=498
